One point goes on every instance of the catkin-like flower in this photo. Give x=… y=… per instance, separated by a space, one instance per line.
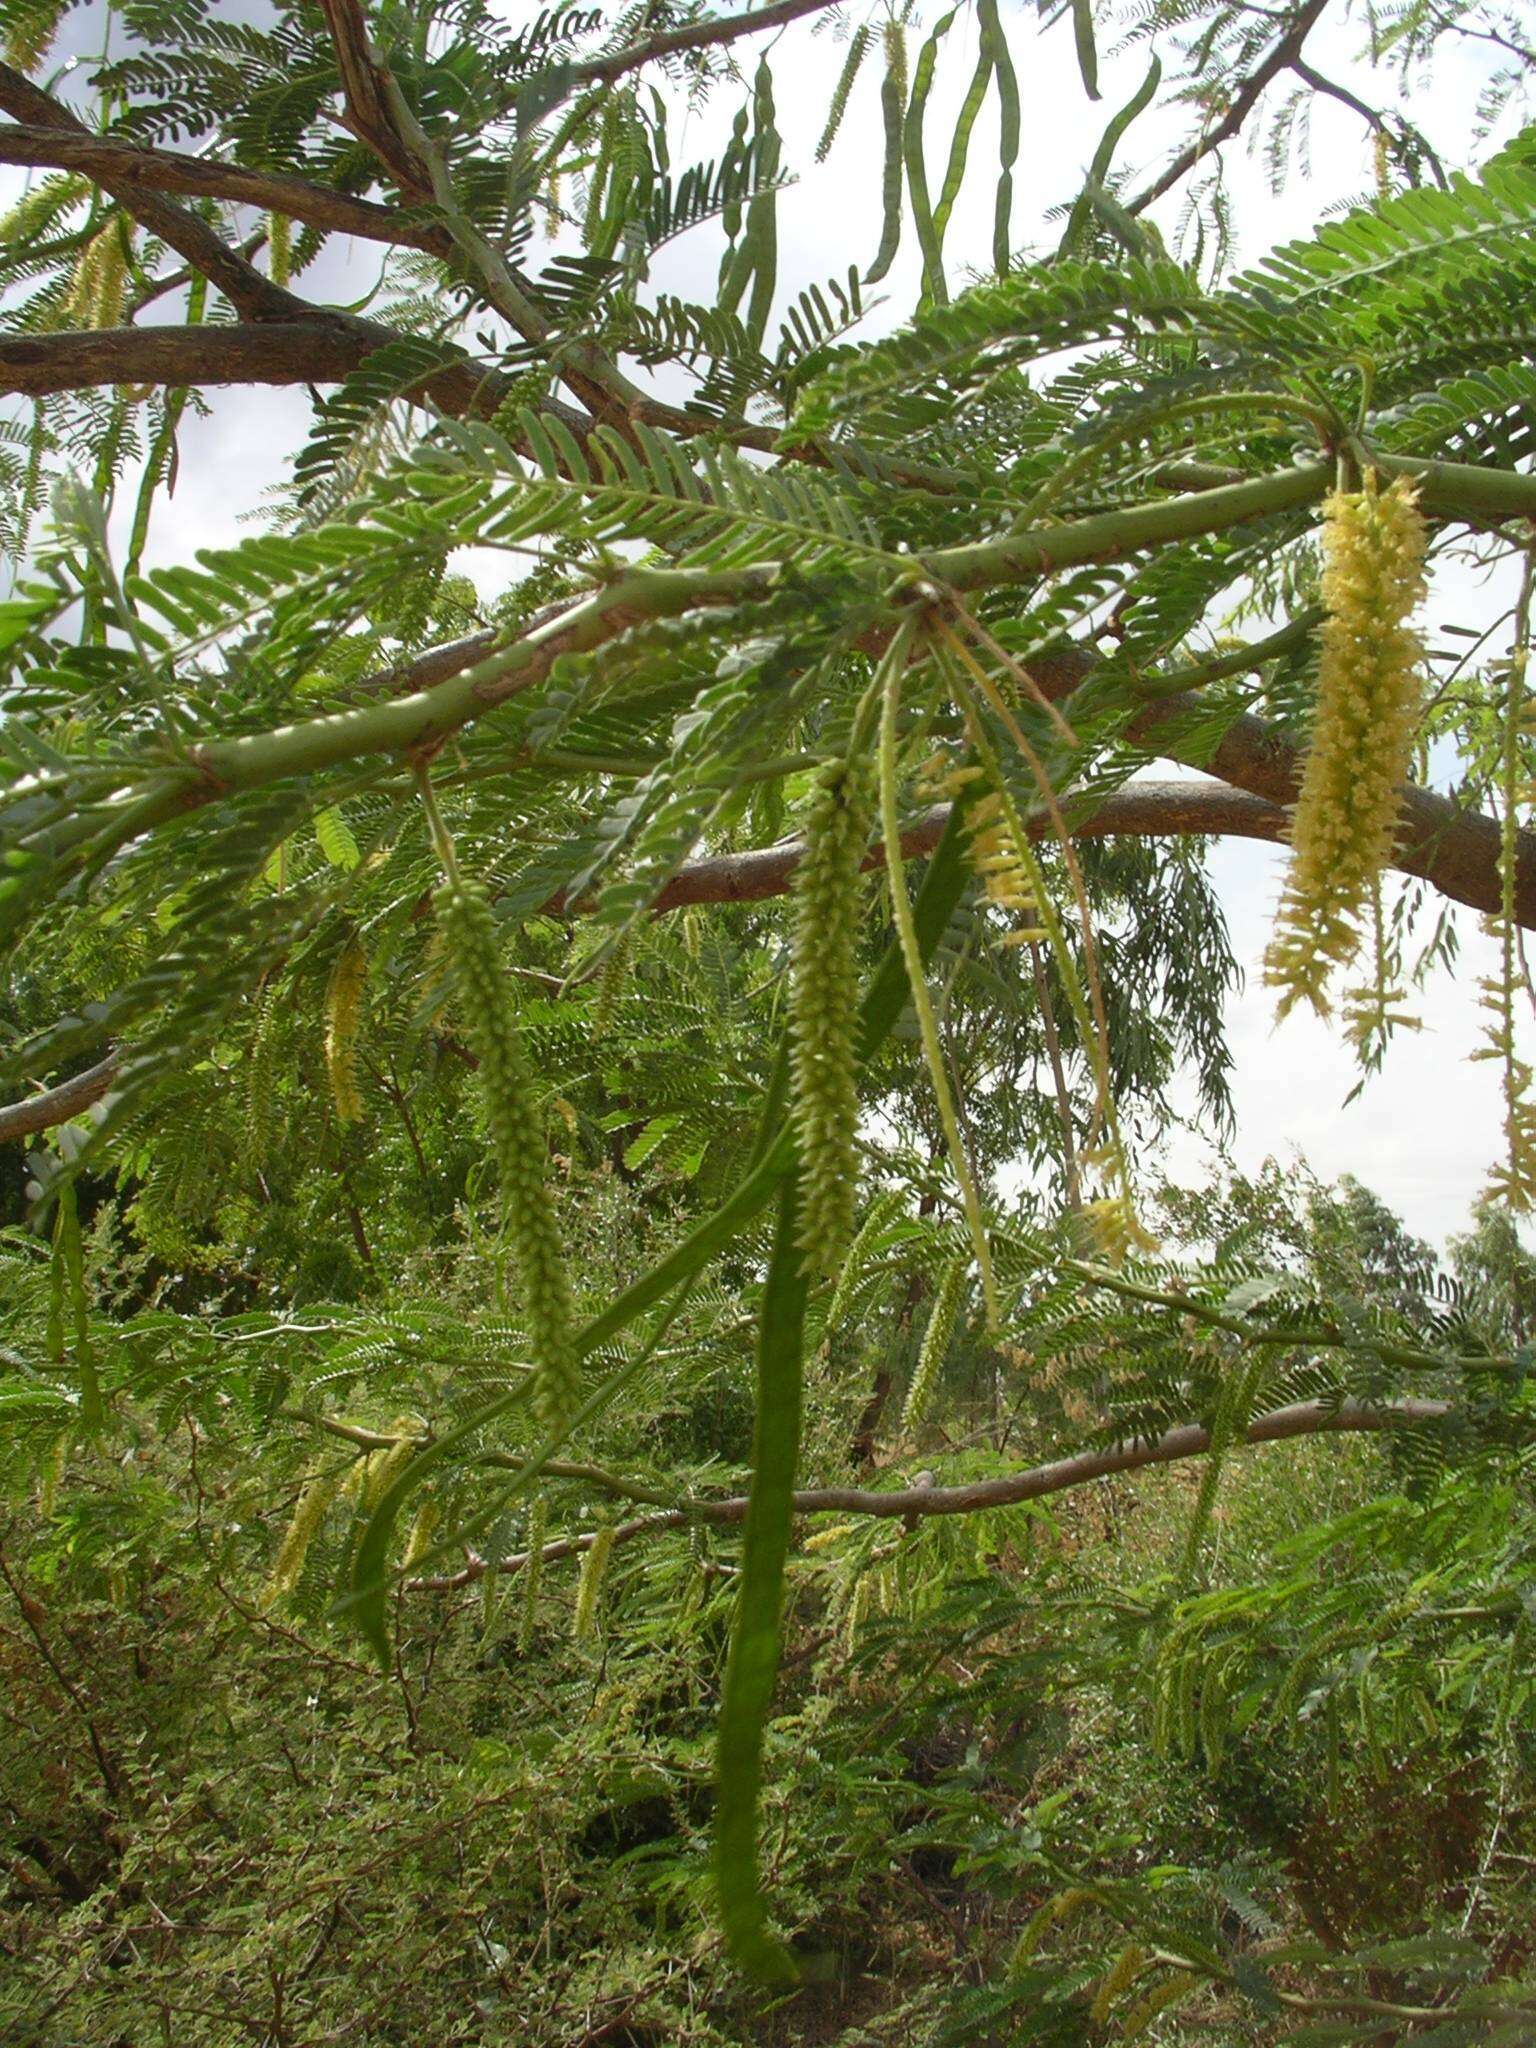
x=1369 y=695
x=101 y=276
x=1127 y=1967
x=313 y=1504
x=1005 y=874
x=590 y=1583
x=533 y=1575
x=954 y=1285
x=419 y=1542
x=279 y=248
x=469 y=932
x=343 y=1027
x=824 y=1009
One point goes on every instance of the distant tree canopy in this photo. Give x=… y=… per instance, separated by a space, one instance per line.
x=618 y=1047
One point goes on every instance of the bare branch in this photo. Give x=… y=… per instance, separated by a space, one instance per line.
x=368 y=111
x=1190 y=1440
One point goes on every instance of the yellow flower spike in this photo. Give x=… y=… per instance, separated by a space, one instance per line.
x=1369 y=696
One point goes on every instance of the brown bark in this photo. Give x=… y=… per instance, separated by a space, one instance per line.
x=1189 y=1440
x=122 y=164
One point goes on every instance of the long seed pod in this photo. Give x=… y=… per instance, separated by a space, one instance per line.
x=893 y=101
x=343 y=1028
x=1369 y=696
x=824 y=1010
x=308 y=1516
x=954 y=1284
x=469 y=933
x=590 y=1584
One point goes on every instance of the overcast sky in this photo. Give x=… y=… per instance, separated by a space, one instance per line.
x=1424 y=1132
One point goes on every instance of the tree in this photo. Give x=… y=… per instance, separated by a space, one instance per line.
x=342 y=893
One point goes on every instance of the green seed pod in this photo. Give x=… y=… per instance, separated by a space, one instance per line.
x=310 y=1513
x=954 y=1286
x=1369 y=695
x=824 y=1009
x=590 y=1584
x=469 y=932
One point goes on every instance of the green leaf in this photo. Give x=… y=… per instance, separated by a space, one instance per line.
x=335 y=838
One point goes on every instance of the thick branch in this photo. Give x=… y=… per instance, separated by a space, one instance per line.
x=322 y=348
x=314 y=351
x=107 y=161
x=1190 y=1440
x=1456 y=851
x=368 y=111
x=1152 y=810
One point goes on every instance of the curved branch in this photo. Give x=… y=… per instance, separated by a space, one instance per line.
x=1142 y=810
x=697 y=35
x=1190 y=1440
x=1456 y=851
x=107 y=161
x=58 y=1105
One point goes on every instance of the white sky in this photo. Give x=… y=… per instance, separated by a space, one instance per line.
x=1425 y=1131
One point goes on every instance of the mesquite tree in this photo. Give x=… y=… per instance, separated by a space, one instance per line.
x=341 y=890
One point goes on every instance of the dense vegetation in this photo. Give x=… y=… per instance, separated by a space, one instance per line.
x=609 y=1430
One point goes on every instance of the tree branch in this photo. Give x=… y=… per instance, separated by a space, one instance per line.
x=314 y=351
x=58 y=1105
x=1190 y=1440
x=321 y=348
x=105 y=161
x=1281 y=58
x=697 y=35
